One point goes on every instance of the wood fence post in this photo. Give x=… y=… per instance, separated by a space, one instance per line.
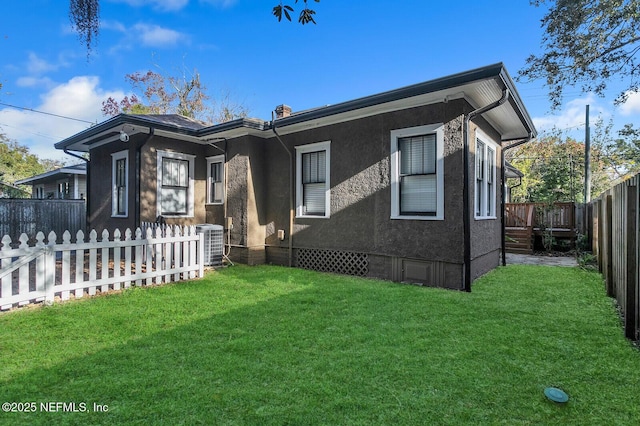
x=631 y=308
x=608 y=258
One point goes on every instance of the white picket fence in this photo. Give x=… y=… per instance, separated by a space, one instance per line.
x=47 y=270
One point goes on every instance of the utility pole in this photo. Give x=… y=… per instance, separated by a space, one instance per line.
x=587 y=159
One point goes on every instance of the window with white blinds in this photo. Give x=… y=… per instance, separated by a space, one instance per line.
x=485 y=171
x=215 y=179
x=417 y=173
x=314 y=177
x=313 y=192
x=175 y=184
x=418 y=191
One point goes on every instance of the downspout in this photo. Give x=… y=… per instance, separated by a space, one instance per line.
x=466 y=209
x=138 y=176
x=87 y=201
x=291 y=208
x=224 y=192
x=503 y=200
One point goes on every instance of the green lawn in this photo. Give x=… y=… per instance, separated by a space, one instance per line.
x=272 y=345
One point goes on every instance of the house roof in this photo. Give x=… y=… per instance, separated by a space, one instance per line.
x=76 y=169
x=511 y=172
x=479 y=87
x=11 y=189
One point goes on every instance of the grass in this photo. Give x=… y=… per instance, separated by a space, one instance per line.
x=271 y=345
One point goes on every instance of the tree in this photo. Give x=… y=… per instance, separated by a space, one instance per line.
x=623 y=154
x=306 y=14
x=16 y=162
x=586 y=43
x=184 y=95
x=85 y=18
x=553 y=170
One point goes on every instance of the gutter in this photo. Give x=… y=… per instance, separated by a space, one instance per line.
x=88 y=179
x=227 y=225
x=503 y=198
x=136 y=213
x=466 y=209
x=291 y=208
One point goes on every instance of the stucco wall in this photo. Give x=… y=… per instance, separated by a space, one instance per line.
x=258 y=190
x=486 y=236
x=360 y=192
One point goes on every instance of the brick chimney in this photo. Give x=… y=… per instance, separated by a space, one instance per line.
x=283 y=111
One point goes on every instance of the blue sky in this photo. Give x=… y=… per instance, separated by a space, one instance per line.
x=358 y=48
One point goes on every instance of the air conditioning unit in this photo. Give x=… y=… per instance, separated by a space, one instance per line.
x=213 y=243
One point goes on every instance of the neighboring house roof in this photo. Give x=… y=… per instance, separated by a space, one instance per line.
x=479 y=87
x=76 y=169
x=8 y=190
x=511 y=172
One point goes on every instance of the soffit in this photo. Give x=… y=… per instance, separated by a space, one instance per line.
x=506 y=119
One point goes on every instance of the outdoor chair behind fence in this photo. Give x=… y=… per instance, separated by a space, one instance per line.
x=50 y=269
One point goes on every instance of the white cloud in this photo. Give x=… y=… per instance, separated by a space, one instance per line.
x=108 y=24
x=37 y=65
x=221 y=3
x=80 y=98
x=572 y=116
x=34 y=82
x=156 y=36
x=632 y=105
x=161 y=5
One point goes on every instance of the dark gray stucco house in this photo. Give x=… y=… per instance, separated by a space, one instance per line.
x=404 y=185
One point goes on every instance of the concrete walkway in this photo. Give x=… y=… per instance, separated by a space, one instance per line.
x=527 y=259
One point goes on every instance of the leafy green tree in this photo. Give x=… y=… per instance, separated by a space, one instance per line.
x=553 y=170
x=16 y=162
x=85 y=18
x=587 y=43
x=623 y=154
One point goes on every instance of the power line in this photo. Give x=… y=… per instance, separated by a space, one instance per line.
x=33 y=133
x=47 y=113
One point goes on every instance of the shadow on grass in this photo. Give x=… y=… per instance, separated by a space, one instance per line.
x=313 y=348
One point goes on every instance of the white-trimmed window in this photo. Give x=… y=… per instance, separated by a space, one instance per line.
x=485 y=186
x=313 y=193
x=38 y=191
x=417 y=173
x=120 y=183
x=215 y=179
x=63 y=189
x=175 y=188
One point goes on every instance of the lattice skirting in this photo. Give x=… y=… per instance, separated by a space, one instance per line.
x=340 y=262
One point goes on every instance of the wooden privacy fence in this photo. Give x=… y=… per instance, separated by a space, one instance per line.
x=28 y=216
x=616 y=227
x=523 y=221
x=46 y=270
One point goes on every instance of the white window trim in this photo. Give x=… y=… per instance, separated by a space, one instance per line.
x=488 y=143
x=211 y=160
x=438 y=129
x=114 y=191
x=190 y=191
x=319 y=146
x=38 y=191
